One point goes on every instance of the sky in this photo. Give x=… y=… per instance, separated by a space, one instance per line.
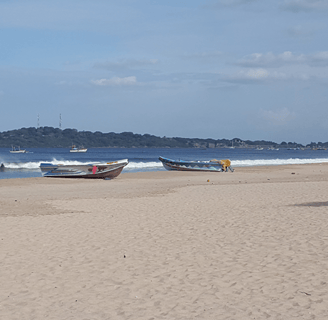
x=221 y=69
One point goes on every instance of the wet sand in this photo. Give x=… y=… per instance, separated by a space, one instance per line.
x=252 y=244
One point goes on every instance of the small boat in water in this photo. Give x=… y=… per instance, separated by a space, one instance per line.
x=182 y=165
x=75 y=149
x=107 y=170
x=17 y=150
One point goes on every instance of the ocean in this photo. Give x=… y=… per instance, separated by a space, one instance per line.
x=26 y=165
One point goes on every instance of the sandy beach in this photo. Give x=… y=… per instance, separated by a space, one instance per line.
x=252 y=244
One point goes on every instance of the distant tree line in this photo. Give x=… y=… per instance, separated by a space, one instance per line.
x=49 y=137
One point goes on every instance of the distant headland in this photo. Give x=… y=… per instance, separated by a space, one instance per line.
x=49 y=137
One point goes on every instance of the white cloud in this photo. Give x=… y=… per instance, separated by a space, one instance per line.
x=254 y=75
x=264 y=76
x=320 y=58
x=116 y=81
x=304 y=5
x=270 y=60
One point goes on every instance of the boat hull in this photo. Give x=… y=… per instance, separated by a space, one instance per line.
x=203 y=166
x=89 y=171
x=78 y=150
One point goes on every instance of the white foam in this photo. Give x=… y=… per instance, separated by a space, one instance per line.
x=36 y=165
x=144 y=165
x=275 y=162
x=23 y=165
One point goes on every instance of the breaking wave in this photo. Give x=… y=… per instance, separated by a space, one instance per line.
x=275 y=162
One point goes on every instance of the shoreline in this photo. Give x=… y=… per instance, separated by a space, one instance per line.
x=146 y=172
x=167 y=245
x=159 y=173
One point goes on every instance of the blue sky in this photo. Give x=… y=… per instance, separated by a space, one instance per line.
x=245 y=69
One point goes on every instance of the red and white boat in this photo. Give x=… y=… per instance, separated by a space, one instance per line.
x=107 y=170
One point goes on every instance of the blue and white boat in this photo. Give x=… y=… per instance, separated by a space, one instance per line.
x=208 y=166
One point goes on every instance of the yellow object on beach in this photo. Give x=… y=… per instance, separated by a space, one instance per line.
x=226 y=164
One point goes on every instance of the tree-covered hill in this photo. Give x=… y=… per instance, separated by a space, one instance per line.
x=53 y=137
x=48 y=137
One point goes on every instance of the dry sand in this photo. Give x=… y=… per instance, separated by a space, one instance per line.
x=167 y=245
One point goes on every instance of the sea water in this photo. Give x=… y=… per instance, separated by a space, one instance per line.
x=26 y=165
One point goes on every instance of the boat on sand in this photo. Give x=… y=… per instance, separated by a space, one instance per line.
x=107 y=170
x=198 y=165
